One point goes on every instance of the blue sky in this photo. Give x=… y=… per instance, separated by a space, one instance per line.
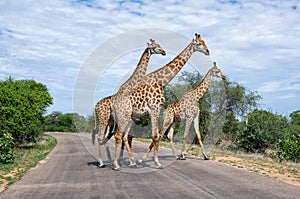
x=255 y=43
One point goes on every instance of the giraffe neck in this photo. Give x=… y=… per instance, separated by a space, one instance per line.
x=201 y=89
x=165 y=74
x=136 y=78
x=143 y=64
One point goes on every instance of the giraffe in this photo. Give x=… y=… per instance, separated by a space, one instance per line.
x=103 y=107
x=148 y=99
x=186 y=109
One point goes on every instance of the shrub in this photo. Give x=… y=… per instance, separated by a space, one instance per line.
x=289 y=148
x=6 y=150
x=262 y=131
x=22 y=105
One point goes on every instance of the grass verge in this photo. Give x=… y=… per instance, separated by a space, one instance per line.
x=284 y=171
x=27 y=157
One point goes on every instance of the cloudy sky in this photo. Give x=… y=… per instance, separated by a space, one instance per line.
x=255 y=43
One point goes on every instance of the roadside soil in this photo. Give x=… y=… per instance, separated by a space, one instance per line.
x=286 y=171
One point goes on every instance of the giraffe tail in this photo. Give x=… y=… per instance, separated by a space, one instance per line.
x=95 y=128
x=109 y=134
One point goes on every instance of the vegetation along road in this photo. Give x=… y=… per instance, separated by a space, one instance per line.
x=71 y=171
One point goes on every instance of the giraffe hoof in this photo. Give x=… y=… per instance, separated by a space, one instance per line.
x=116 y=168
x=206 y=158
x=139 y=162
x=133 y=166
x=160 y=167
x=181 y=157
x=101 y=165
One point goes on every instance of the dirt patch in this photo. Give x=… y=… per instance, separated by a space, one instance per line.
x=6 y=178
x=286 y=172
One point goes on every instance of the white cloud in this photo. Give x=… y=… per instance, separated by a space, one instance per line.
x=247 y=38
x=288 y=84
x=288 y=96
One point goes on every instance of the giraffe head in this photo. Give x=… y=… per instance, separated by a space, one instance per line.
x=216 y=72
x=155 y=48
x=198 y=44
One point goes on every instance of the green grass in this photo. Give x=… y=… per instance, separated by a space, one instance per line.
x=27 y=157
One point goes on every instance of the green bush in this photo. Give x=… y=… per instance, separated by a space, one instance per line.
x=289 y=148
x=56 y=121
x=22 y=105
x=261 y=132
x=6 y=148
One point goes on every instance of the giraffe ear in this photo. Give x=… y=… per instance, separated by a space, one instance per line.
x=148 y=44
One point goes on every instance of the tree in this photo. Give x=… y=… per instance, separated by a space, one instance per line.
x=56 y=121
x=295 y=118
x=22 y=105
x=51 y=121
x=261 y=132
x=289 y=146
x=226 y=101
x=239 y=102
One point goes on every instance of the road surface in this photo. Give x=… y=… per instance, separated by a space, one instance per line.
x=71 y=171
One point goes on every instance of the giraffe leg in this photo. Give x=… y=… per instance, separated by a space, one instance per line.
x=121 y=151
x=196 y=126
x=108 y=152
x=118 y=138
x=166 y=124
x=100 y=137
x=167 y=121
x=171 y=139
x=106 y=145
x=103 y=125
x=131 y=157
x=156 y=136
x=186 y=131
x=127 y=139
x=146 y=153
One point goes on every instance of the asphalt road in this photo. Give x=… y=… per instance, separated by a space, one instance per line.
x=71 y=171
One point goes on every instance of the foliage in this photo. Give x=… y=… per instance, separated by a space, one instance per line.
x=6 y=148
x=68 y=122
x=227 y=101
x=231 y=126
x=84 y=124
x=58 y=122
x=289 y=146
x=22 y=105
x=262 y=131
x=295 y=118
x=240 y=100
x=26 y=157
